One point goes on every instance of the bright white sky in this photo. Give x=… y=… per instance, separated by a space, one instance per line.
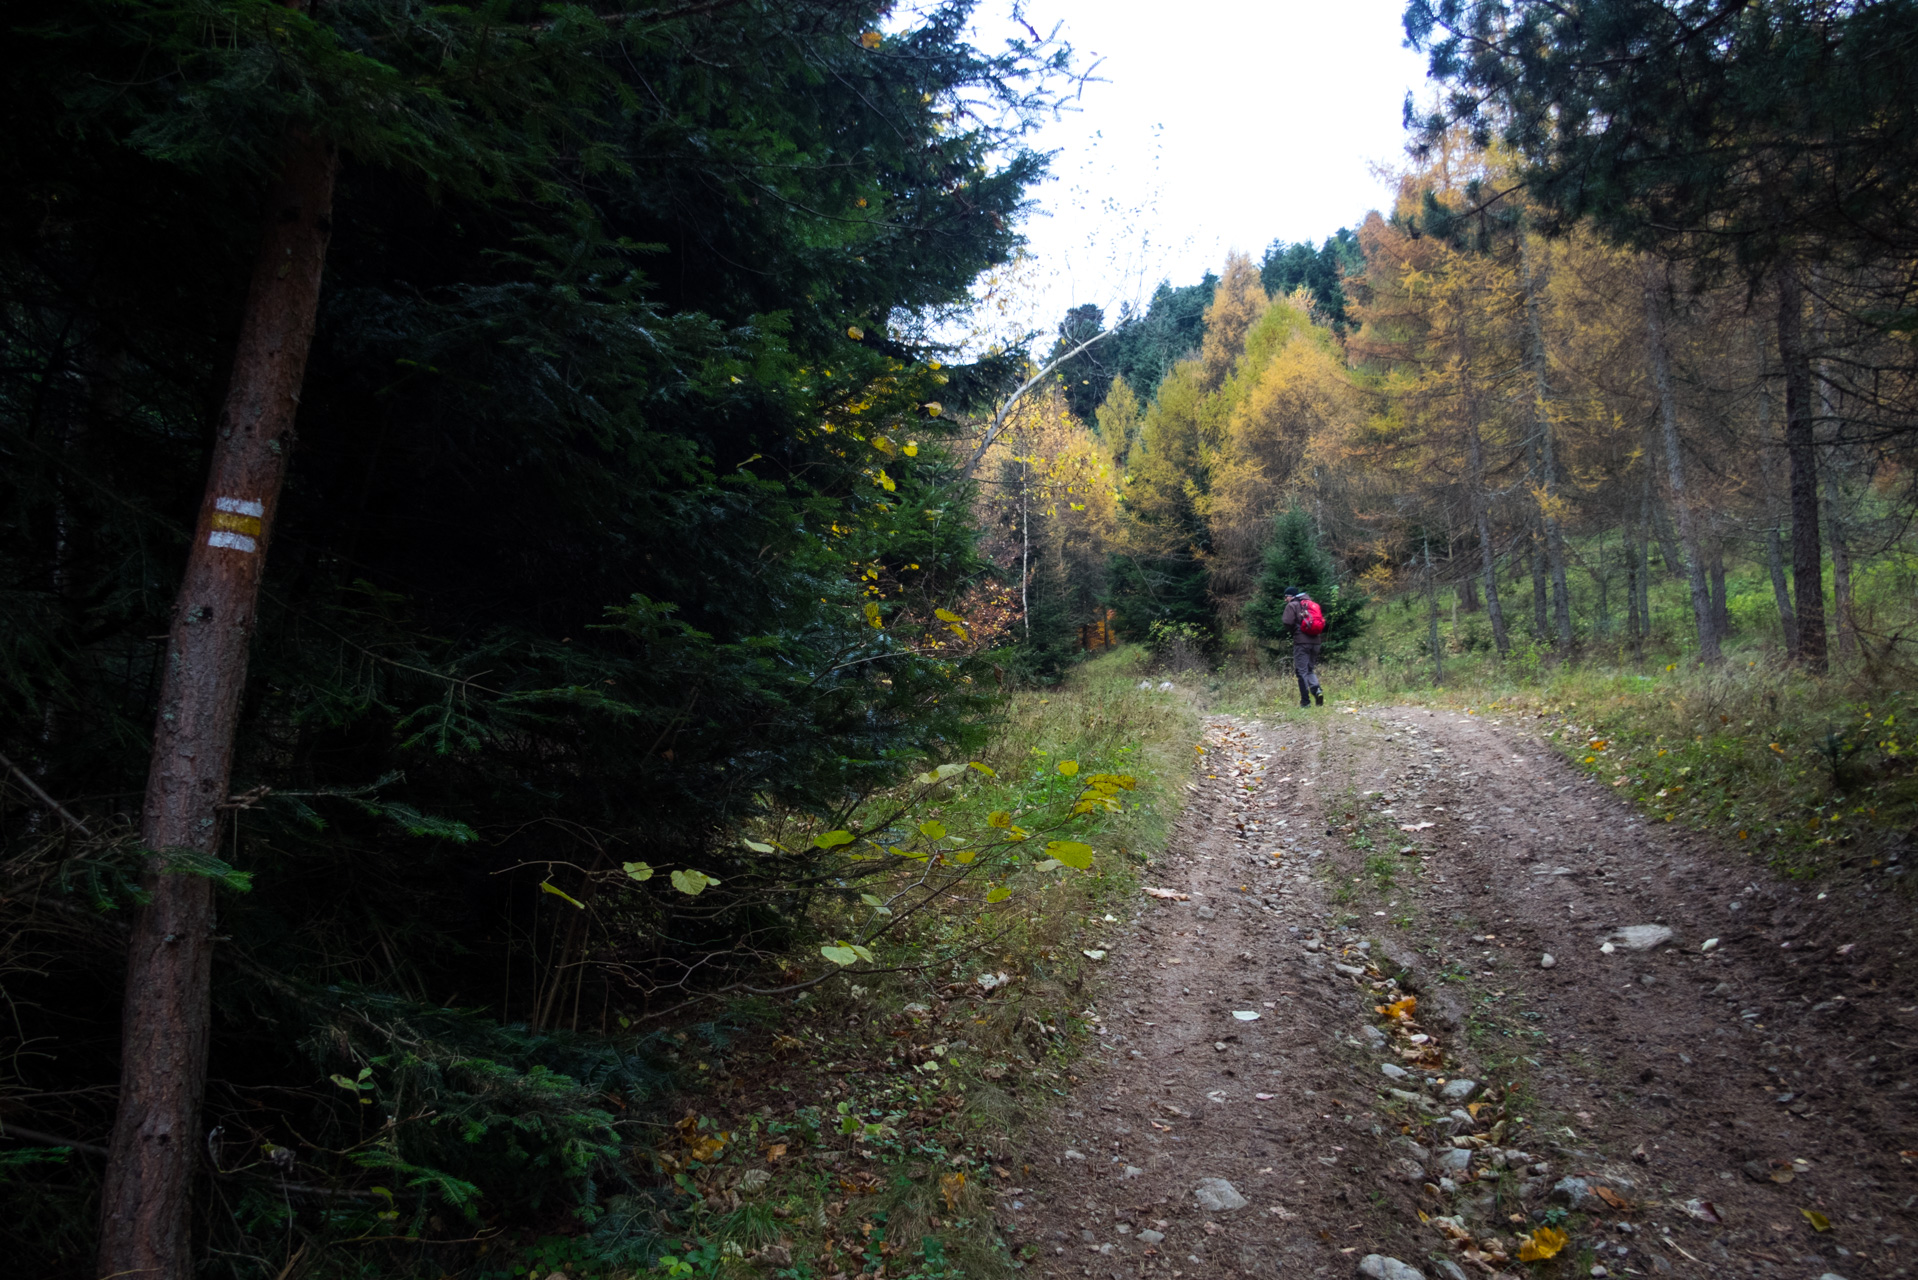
x=1220 y=124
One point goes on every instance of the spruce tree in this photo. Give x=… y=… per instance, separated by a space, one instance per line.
x=1294 y=558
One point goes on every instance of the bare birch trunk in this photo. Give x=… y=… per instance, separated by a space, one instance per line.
x=1675 y=469
x=1801 y=447
x=146 y=1199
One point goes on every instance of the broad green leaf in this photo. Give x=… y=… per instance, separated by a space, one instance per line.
x=832 y=839
x=839 y=955
x=692 y=883
x=1068 y=767
x=757 y=846
x=998 y=893
x=933 y=830
x=907 y=853
x=637 y=870
x=1071 y=852
x=965 y=855
x=872 y=900
x=861 y=952
x=547 y=886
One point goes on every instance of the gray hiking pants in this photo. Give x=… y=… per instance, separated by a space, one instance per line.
x=1305 y=665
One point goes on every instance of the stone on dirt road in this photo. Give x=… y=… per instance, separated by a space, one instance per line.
x=1216 y=1195
x=1376 y=1266
x=1573 y=1191
x=1459 y=1091
x=1394 y=1071
x=1547 y=960
x=1641 y=937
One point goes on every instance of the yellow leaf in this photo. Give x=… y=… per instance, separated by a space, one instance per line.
x=998 y=893
x=775 y=1151
x=933 y=830
x=964 y=856
x=548 y=887
x=871 y=39
x=855 y=332
x=911 y=450
x=1068 y=767
x=950 y=1186
x=999 y=818
x=1819 y=1222
x=1541 y=1244
x=1072 y=853
x=1399 y=1008
x=946 y=615
x=934 y=408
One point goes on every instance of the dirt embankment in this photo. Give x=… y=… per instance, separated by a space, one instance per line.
x=1671 y=1107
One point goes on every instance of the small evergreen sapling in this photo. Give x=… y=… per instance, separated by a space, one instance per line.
x=1294 y=557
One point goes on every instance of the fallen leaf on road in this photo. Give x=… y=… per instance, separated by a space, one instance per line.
x=1265 y=1097
x=1703 y=1210
x=1172 y=894
x=1415 y=826
x=1541 y=1244
x=1613 y=1199
x=1093 y=955
x=1245 y=1015
x=1399 y=1008
x=1819 y=1222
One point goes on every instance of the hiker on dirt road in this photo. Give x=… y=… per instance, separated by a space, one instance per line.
x=1307 y=621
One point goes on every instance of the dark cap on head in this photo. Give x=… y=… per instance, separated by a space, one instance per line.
x=1294 y=591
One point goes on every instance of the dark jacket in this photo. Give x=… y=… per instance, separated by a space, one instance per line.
x=1295 y=610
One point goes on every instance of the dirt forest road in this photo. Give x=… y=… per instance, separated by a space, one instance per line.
x=1263 y=1103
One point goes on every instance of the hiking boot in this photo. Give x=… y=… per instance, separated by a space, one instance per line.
x=1304 y=701
x=1318 y=696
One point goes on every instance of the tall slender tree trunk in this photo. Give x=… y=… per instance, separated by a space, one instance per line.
x=145 y=1202
x=1840 y=568
x=1801 y=448
x=1715 y=580
x=1482 y=517
x=1675 y=468
x=1774 y=549
x=1432 y=618
x=1646 y=508
x=1634 y=624
x=1548 y=453
x=1835 y=521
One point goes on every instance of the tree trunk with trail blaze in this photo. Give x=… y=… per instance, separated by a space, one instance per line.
x=145 y=1203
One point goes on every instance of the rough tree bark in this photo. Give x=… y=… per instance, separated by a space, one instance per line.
x=1774 y=548
x=1482 y=516
x=1840 y=568
x=145 y=1202
x=1675 y=468
x=1801 y=448
x=1548 y=456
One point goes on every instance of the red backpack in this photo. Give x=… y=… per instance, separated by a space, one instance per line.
x=1311 y=618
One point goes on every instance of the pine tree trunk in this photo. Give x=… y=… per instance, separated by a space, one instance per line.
x=1482 y=516
x=1634 y=624
x=1840 y=569
x=1801 y=447
x=1675 y=469
x=1774 y=549
x=1432 y=619
x=1548 y=455
x=1715 y=580
x=1539 y=608
x=146 y=1198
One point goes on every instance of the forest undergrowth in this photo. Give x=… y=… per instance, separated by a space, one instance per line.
x=863 y=1119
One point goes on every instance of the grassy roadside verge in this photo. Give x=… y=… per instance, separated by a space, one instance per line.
x=857 y=1128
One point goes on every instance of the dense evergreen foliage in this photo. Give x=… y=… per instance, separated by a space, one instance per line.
x=618 y=515
x=1294 y=558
